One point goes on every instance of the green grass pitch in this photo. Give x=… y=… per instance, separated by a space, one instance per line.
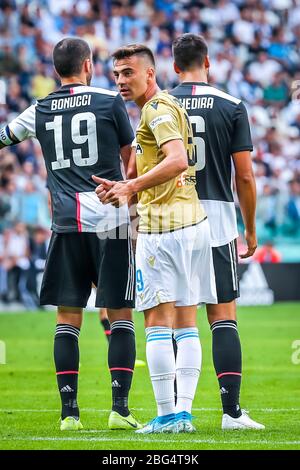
x=29 y=406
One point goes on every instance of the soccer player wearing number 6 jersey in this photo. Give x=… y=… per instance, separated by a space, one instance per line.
x=221 y=137
x=82 y=131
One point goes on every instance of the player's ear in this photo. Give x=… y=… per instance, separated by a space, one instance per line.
x=88 y=65
x=207 y=62
x=176 y=68
x=150 y=73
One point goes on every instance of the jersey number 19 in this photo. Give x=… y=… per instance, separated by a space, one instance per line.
x=90 y=137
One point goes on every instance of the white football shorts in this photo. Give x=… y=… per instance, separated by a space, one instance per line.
x=175 y=267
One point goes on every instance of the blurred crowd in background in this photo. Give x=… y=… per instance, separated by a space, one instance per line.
x=253 y=47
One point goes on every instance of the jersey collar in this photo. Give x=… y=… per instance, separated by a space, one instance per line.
x=71 y=85
x=195 y=83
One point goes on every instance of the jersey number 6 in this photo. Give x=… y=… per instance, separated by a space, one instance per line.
x=198 y=125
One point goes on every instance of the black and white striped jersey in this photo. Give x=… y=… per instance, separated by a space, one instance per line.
x=221 y=128
x=81 y=130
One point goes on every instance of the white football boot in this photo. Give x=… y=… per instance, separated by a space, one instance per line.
x=243 y=422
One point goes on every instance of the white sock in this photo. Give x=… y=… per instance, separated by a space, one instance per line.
x=188 y=366
x=161 y=363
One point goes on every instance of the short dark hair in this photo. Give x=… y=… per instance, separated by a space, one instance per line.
x=189 y=51
x=69 y=55
x=133 y=49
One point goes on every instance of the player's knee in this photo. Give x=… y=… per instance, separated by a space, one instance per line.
x=70 y=316
x=119 y=314
x=221 y=312
x=158 y=320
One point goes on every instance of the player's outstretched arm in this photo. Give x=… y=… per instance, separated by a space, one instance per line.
x=19 y=129
x=246 y=190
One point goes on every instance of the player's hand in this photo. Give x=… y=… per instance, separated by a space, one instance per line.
x=251 y=241
x=119 y=194
x=116 y=193
x=103 y=187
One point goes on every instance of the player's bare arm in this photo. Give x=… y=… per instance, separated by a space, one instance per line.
x=174 y=163
x=131 y=174
x=132 y=171
x=125 y=153
x=246 y=190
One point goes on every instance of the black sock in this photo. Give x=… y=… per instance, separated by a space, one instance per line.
x=175 y=354
x=121 y=358
x=66 y=358
x=227 y=358
x=106 y=327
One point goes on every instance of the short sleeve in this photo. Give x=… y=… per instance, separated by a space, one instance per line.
x=241 y=139
x=121 y=119
x=163 y=122
x=23 y=126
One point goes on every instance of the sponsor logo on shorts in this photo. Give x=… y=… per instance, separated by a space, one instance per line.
x=151 y=261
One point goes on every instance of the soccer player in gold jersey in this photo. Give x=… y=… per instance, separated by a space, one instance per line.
x=173 y=255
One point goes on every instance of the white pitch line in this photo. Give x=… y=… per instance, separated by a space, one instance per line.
x=95 y=410
x=95 y=431
x=15 y=410
x=134 y=439
x=265 y=410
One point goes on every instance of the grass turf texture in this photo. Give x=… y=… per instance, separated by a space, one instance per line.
x=29 y=407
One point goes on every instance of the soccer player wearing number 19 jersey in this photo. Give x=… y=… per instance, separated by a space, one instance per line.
x=82 y=131
x=222 y=138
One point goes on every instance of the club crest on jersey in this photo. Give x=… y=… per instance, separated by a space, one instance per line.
x=154 y=104
x=139 y=149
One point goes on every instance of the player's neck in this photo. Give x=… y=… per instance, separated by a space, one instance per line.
x=150 y=92
x=199 y=76
x=73 y=80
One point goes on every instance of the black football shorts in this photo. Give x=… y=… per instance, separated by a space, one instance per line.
x=76 y=260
